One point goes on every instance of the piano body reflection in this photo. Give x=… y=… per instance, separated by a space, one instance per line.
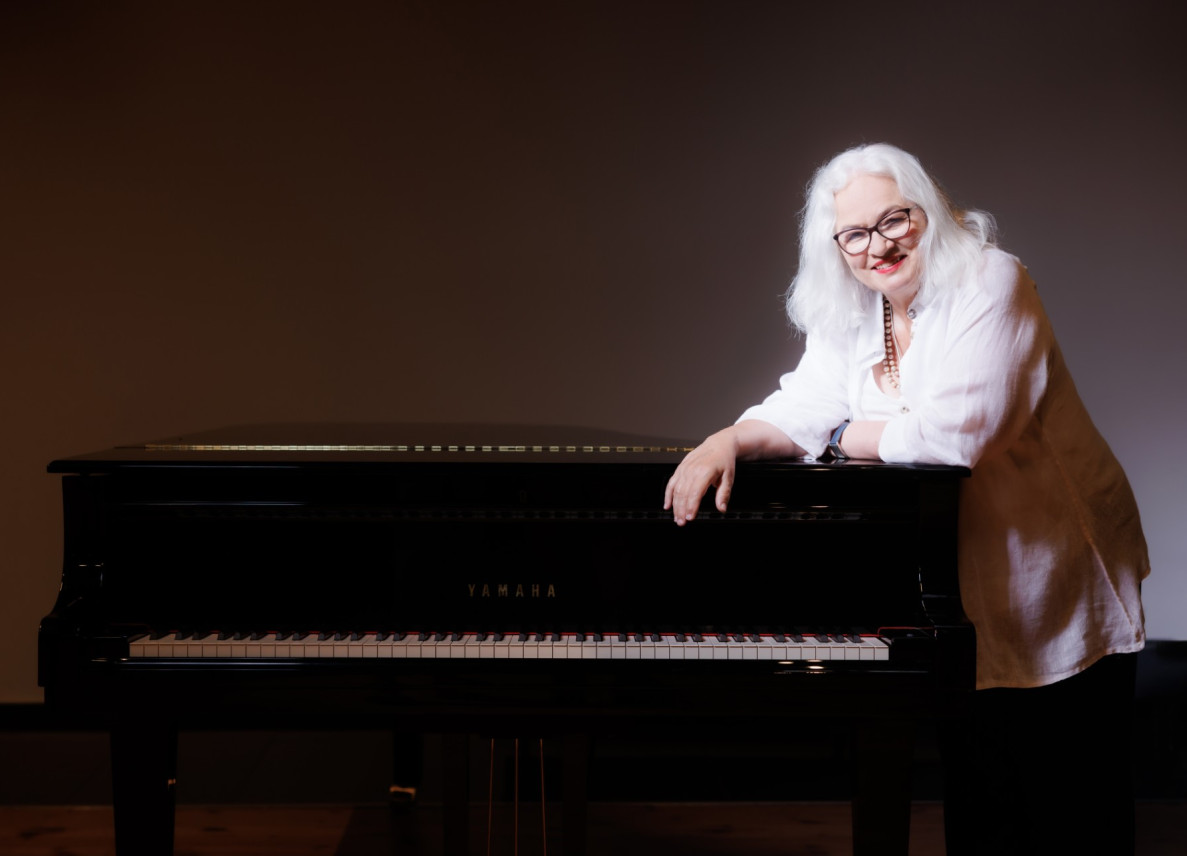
x=498 y=579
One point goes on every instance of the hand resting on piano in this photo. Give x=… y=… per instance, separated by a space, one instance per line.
x=712 y=464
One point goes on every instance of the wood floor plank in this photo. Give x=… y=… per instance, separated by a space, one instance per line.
x=615 y=829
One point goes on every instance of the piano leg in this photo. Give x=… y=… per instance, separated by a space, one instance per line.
x=574 y=788
x=455 y=795
x=407 y=767
x=143 y=779
x=882 y=798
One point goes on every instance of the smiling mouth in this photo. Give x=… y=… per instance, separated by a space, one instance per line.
x=889 y=264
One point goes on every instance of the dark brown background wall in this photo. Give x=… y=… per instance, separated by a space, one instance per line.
x=558 y=212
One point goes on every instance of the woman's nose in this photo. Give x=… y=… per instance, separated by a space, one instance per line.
x=879 y=244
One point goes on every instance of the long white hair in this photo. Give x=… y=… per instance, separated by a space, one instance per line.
x=824 y=294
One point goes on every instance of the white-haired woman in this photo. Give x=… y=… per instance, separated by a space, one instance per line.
x=927 y=344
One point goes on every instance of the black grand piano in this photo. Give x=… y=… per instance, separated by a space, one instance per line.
x=505 y=579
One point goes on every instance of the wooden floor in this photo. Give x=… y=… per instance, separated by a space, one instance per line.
x=616 y=829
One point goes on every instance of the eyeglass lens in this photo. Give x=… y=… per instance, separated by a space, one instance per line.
x=894 y=225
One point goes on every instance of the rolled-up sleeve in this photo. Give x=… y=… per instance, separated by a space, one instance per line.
x=812 y=400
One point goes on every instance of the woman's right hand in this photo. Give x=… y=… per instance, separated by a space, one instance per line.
x=710 y=464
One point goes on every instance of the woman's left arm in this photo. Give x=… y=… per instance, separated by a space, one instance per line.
x=980 y=374
x=860 y=439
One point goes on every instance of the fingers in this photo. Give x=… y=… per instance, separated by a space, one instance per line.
x=700 y=470
x=723 y=491
x=682 y=499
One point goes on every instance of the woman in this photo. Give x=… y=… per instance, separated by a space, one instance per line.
x=927 y=344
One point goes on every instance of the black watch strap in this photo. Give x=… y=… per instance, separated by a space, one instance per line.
x=834 y=444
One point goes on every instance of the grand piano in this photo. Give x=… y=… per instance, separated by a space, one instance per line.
x=501 y=580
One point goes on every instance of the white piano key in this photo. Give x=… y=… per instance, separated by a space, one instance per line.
x=404 y=647
x=732 y=649
x=471 y=647
x=237 y=649
x=456 y=647
x=570 y=646
x=368 y=646
x=142 y=648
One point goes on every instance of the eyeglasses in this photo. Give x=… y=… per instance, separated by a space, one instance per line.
x=894 y=225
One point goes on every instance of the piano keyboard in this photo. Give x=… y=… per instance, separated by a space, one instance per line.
x=551 y=646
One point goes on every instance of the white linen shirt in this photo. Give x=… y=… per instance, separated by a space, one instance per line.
x=1051 y=549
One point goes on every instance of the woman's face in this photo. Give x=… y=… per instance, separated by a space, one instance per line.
x=889 y=267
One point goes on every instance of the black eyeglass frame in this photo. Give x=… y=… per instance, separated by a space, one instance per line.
x=876 y=228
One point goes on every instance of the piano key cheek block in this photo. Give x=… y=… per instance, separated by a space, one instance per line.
x=446 y=577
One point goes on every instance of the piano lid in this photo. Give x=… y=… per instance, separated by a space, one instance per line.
x=392 y=442
x=283 y=445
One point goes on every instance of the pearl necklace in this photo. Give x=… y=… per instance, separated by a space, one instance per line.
x=889 y=361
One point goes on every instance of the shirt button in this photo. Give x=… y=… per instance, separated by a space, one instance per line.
x=911 y=313
x=904 y=409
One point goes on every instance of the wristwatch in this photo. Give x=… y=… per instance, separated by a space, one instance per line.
x=834 y=444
